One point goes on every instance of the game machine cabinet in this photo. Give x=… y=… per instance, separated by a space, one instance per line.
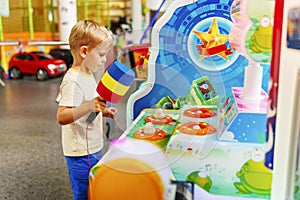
x=204 y=105
x=206 y=96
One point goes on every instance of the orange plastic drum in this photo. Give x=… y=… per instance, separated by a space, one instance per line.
x=199 y=113
x=125 y=179
x=156 y=120
x=158 y=135
x=196 y=128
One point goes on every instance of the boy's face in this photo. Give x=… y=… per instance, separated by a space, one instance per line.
x=96 y=58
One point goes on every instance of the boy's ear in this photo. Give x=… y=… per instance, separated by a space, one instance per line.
x=83 y=51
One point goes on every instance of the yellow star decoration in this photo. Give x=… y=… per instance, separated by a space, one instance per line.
x=213 y=42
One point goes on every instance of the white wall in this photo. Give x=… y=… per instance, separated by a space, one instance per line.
x=286 y=137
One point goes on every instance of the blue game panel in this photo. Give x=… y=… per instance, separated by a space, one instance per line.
x=178 y=62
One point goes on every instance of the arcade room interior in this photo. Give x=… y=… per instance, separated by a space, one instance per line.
x=198 y=100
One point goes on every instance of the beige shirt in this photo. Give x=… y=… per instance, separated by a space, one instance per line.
x=76 y=88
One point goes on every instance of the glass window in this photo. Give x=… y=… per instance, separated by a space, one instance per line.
x=44 y=57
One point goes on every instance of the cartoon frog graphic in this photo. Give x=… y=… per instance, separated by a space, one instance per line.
x=254 y=176
x=202 y=179
x=296 y=189
x=261 y=40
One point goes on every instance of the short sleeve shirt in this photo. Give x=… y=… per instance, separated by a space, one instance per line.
x=76 y=88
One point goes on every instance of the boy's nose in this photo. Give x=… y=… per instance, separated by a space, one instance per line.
x=103 y=59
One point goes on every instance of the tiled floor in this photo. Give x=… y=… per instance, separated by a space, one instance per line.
x=32 y=165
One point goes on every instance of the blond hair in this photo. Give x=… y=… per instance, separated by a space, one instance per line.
x=89 y=33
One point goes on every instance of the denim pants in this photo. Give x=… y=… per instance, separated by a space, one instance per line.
x=79 y=168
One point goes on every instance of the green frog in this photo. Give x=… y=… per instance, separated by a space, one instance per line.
x=261 y=40
x=254 y=176
x=202 y=179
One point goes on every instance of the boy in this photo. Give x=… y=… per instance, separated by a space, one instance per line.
x=82 y=142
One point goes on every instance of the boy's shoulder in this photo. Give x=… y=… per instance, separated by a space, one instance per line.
x=74 y=75
x=71 y=74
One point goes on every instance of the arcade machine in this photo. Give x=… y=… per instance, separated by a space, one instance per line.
x=213 y=57
x=206 y=101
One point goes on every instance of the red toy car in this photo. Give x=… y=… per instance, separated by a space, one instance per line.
x=35 y=63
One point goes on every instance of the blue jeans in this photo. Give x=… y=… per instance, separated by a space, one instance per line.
x=79 y=168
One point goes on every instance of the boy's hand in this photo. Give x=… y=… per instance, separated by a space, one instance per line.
x=109 y=112
x=98 y=104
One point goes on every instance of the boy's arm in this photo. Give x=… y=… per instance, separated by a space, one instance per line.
x=67 y=115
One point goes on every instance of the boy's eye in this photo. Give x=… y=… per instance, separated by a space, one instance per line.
x=101 y=53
